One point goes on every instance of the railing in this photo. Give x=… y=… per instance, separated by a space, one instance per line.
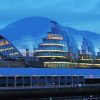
x=49 y=86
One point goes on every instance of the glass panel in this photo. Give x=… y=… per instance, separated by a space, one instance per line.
x=11 y=81
x=42 y=81
x=69 y=80
x=62 y=80
x=35 y=81
x=19 y=81
x=49 y=80
x=55 y=80
x=3 y=82
x=27 y=81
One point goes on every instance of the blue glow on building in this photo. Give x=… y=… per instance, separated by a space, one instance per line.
x=45 y=40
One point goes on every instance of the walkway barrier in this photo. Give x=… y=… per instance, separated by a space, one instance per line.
x=51 y=86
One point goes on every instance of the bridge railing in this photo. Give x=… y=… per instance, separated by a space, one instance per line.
x=49 y=86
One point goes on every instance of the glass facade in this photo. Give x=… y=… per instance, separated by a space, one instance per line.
x=52 y=48
x=24 y=81
x=8 y=51
x=46 y=41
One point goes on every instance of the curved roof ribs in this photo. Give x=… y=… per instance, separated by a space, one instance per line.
x=69 y=40
x=89 y=45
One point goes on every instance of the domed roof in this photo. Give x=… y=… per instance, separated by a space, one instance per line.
x=94 y=37
x=29 y=32
x=23 y=32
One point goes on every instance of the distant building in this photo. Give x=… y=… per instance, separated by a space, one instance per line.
x=98 y=53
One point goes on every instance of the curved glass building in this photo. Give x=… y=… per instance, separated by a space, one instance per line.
x=42 y=42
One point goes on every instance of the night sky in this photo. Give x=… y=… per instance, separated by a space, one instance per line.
x=79 y=14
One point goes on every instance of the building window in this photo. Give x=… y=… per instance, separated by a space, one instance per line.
x=11 y=81
x=27 y=81
x=19 y=81
x=3 y=82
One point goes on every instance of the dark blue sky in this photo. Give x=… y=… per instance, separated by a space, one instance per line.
x=80 y=14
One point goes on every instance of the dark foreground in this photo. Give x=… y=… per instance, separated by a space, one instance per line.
x=90 y=97
x=55 y=93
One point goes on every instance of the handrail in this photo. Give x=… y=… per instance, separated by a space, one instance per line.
x=50 y=86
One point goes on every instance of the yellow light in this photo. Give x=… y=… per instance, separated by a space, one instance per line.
x=50 y=44
x=50 y=51
x=51 y=56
